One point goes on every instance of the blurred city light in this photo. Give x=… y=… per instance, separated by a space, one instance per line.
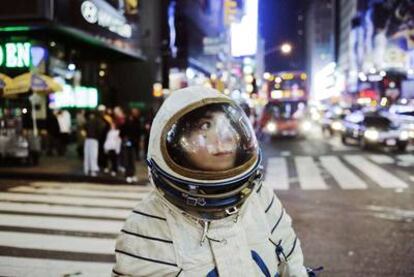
x=71 y=67
x=286 y=48
x=244 y=34
x=266 y=76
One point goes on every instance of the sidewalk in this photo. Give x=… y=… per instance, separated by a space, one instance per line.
x=67 y=168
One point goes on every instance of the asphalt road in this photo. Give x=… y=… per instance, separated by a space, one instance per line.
x=352 y=210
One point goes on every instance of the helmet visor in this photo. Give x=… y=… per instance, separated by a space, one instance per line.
x=211 y=139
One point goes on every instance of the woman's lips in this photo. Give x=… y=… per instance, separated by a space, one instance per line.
x=224 y=153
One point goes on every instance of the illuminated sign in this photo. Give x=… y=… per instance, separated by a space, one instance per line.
x=244 y=33
x=15 y=54
x=94 y=15
x=74 y=97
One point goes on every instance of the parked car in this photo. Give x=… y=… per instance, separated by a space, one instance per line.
x=373 y=129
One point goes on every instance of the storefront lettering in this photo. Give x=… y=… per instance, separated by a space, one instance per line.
x=15 y=54
x=93 y=15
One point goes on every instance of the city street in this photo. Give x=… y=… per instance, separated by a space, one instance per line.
x=353 y=211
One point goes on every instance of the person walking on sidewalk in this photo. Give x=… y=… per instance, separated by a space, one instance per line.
x=93 y=129
x=112 y=147
x=137 y=126
x=65 y=125
x=129 y=149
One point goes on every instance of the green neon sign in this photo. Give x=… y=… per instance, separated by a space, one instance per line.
x=15 y=54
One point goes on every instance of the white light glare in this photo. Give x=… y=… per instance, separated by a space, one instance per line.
x=371 y=134
x=71 y=67
x=286 y=48
x=244 y=34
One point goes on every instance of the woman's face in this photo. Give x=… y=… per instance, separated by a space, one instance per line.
x=212 y=144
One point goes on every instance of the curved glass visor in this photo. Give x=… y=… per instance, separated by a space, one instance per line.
x=213 y=138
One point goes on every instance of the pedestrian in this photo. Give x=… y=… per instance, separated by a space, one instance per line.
x=210 y=214
x=65 y=125
x=106 y=121
x=112 y=147
x=129 y=149
x=80 y=132
x=137 y=126
x=93 y=129
x=53 y=132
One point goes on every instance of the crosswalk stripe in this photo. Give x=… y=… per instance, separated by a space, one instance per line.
x=309 y=174
x=12 y=266
x=381 y=159
x=406 y=158
x=79 y=192
x=277 y=174
x=94 y=187
x=382 y=177
x=57 y=242
x=63 y=210
x=57 y=199
x=60 y=223
x=343 y=175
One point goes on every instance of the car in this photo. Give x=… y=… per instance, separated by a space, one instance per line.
x=372 y=129
x=284 y=119
x=404 y=116
x=331 y=122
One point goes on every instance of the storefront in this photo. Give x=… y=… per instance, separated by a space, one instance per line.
x=90 y=47
x=78 y=42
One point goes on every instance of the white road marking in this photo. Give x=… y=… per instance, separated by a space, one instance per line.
x=68 y=190
x=276 y=176
x=382 y=177
x=406 y=158
x=285 y=153
x=64 y=210
x=59 y=223
x=343 y=175
x=381 y=159
x=309 y=174
x=60 y=243
x=58 y=199
x=94 y=187
x=11 y=266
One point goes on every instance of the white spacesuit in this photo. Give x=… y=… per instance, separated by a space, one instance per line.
x=209 y=214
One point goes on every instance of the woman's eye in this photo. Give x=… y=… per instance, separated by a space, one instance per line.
x=205 y=126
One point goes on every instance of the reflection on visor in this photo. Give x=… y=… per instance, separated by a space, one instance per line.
x=215 y=137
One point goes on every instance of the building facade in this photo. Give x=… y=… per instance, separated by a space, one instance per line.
x=81 y=43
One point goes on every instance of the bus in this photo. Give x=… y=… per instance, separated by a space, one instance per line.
x=284 y=114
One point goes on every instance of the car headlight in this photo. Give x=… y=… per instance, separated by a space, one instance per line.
x=271 y=127
x=371 y=134
x=337 y=126
x=404 y=135
x=306 y=126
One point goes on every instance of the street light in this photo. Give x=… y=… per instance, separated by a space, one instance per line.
x=286 y=48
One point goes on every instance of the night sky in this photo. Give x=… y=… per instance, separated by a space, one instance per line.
x=279 y=21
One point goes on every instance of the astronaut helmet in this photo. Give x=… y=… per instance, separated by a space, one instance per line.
x=203 y=155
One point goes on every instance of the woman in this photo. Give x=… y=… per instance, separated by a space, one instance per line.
x=210 y=214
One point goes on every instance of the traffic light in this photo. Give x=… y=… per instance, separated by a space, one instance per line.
x=230 y=11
